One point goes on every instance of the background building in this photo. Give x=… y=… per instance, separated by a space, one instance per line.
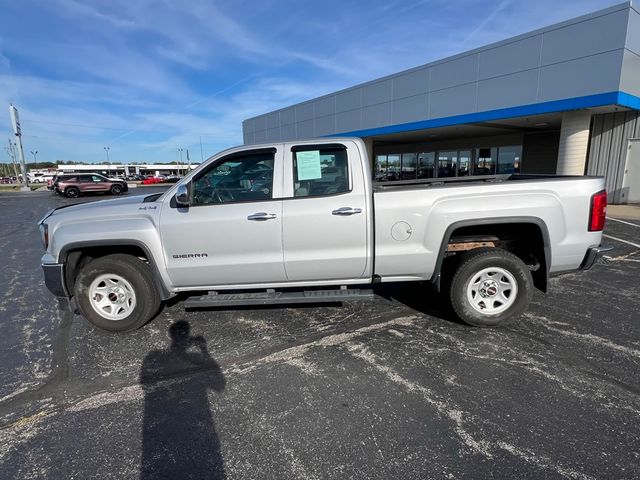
x=126 y=170
x=564 y=99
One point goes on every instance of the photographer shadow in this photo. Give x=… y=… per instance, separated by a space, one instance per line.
x=179 y=438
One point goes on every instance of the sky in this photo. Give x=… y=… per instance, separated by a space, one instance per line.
x=148 y=77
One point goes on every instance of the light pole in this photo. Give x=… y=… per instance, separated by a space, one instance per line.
x=106 y=149
x=17 y=131
x=35 y=160
x=180 y=150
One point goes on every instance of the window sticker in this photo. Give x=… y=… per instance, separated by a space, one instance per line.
x=308 y=164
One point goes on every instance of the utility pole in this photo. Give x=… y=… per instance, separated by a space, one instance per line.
x=15 y=120
x=106 y=149
x=12 y=153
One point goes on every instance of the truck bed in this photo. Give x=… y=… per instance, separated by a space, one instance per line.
x=415 y=218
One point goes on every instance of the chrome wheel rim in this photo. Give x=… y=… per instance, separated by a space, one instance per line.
x=112 y=297
x=492 y=290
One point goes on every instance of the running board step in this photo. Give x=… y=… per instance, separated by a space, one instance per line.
x=214 y=299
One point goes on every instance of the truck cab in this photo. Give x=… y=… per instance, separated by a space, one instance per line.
x=285 y=215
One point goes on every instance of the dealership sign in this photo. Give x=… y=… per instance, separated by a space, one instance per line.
x=15 y=120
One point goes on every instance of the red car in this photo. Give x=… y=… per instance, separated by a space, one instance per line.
x=152 y=180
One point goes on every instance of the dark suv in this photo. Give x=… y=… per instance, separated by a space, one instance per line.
x=73 y=184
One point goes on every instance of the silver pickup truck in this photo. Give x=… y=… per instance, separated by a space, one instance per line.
x=304 y=222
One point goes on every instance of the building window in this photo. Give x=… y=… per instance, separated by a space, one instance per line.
x=409 y=166
x=509 y=159
x=485 y=163
x=447 y=164
x=393 y=167
x=380 y=173
x=426 y=168
x=464 y=163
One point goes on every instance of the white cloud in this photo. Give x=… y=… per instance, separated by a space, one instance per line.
x=4 y=61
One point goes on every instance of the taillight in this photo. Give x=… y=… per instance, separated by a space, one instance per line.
x=44 y=232
x=598 y=211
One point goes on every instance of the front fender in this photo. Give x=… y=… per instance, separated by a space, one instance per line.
x=135 y=232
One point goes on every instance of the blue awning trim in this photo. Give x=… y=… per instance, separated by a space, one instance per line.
x=628 y=100
x=599 y=100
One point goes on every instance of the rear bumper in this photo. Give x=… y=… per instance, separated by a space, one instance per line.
x=54 y=279
x=592 y=255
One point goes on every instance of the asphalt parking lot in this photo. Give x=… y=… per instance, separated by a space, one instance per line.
x=390 y=388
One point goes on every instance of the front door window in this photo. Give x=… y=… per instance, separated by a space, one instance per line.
x=239 y=178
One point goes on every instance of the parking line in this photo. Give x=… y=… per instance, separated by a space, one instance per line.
x=623 y=221
x=623 y=258
x=621 y=240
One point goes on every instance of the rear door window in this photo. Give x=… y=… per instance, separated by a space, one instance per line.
x=319 y=171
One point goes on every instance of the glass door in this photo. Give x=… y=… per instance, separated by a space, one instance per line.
x=393 y=167
x=464 y=163
x=426 y=168
x=447 y=164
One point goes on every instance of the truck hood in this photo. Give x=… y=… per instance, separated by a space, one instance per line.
x=102 y=206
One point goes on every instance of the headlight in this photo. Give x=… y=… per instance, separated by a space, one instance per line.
x=44 y=235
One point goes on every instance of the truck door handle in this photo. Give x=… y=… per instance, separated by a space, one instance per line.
x=261 y=216
x=346 y=211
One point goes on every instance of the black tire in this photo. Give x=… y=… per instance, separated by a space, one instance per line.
x=72 y=192
x=116 y=190
x=469 y=268
x=137 y=273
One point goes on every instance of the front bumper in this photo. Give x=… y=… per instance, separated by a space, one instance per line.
x=593 y=253
x=54 y=279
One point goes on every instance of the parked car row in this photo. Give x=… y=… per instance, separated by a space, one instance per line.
x=30 y=179
x=40 y=177
x=160 y=179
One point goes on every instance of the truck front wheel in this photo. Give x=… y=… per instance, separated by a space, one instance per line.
x=117 y=293
x=490 y=286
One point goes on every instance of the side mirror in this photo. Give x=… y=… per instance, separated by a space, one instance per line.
x=182 y=195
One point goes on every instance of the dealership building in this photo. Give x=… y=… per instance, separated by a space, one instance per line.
x=564 y=99
x=119 y=170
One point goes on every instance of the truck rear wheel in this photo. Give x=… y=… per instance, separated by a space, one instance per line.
x=490 y=286
x=117 y=293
